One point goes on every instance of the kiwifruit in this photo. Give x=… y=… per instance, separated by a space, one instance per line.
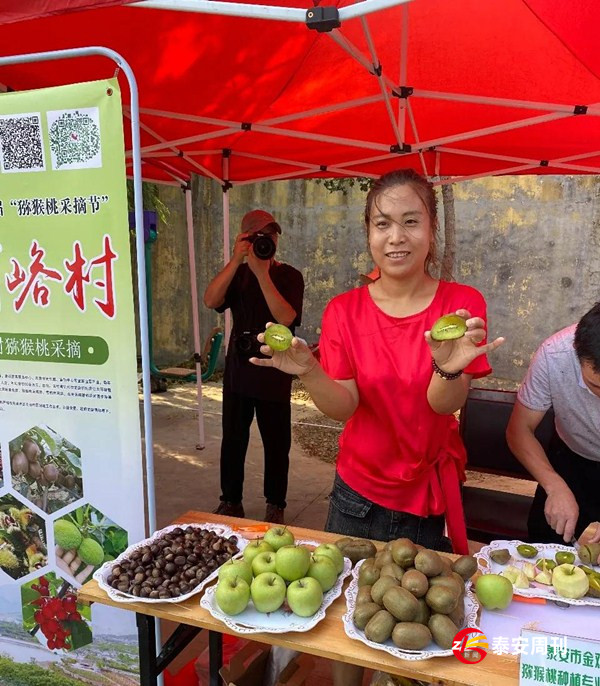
x=429 y=562
x=392 y=569
x=501 y=556
x=411 y=636
x=594 y=587
x=423 y=613
x=35 y=470
x=404 y=552
x=466 y=566
x=20 y=463
x=441 y=599
x=357 y=549
x=342 y=541
x=363 y=613
x=443 y=630
x=400 y=603
x=31 y=449
x=383 y=557
x=416 y=582
x=449 y=327
x=589 y=553
x=278 y=337
x=381 y=586
x=458 y=614
x=367 y=575
x=379 y=628
x=449 y=582
x=526 y=550
x=50 y=472
x=364 y=595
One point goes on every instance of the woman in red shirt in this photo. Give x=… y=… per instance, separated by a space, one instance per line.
x=400 y=460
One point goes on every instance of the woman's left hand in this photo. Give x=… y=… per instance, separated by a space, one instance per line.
x=454 y=356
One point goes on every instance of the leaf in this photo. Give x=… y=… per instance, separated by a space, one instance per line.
x=118 y=540
x=81 y=633
x=74 y=459
x=45 y=436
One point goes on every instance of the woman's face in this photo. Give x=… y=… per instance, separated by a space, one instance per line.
x=400 y=231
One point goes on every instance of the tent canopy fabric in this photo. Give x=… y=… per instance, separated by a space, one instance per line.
x=454 y=88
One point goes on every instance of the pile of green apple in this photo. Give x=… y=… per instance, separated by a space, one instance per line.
x=274 y=571
x=567 y=579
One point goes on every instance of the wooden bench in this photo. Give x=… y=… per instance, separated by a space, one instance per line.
x=491 y=513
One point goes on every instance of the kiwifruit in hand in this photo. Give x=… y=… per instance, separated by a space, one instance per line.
x=423 y=613
x=367 y=575
x=416 y=582
x=379 y=628
x=411 y=636
x=429 y=562
x=404 y=552
x=449 y=327
x=589 y=553
x=501 y=556
x=392 y=569
x=278 y=337
x=381 y=586
x=441 y=599
x=401 y=604
x=383 y=557
x=364 y=595
x=443 y=630
x=363 y=613
x=466 y=566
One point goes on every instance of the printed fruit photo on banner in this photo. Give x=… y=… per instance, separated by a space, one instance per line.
x=23 y=547
x=46 y=468
x=52 y=614
x=1 y=470
x=84 y=539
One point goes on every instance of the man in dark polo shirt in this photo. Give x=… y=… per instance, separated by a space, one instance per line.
x=565 y=375
x=257 y=291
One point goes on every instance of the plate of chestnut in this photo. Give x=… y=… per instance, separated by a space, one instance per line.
x=170 y=566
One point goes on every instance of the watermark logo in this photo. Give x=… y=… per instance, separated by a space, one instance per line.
x=470 y=646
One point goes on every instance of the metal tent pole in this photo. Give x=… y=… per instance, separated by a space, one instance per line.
x=189 y=216
x=226 y=255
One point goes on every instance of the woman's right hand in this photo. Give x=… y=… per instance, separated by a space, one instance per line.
x=297 y=359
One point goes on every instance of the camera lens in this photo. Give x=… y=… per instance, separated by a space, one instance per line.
x=264 y=247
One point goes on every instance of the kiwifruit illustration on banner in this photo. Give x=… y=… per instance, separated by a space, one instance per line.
x=71 y=492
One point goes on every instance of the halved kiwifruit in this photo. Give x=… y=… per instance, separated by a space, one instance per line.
x=448 y=327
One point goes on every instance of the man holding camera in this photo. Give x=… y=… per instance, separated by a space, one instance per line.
x=257 y=289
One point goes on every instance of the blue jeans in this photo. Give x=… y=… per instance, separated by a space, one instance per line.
x=350 y=514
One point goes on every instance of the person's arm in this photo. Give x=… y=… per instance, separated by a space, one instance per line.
x=279 y=307
x=214 y=295
x=447 y=396
x=561 y=508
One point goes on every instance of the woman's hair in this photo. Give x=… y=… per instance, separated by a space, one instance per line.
x=422 y=187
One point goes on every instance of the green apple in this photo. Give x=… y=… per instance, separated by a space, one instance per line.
x=263 y=562
x=238 y=567
x=323 y=570
x=570 y=581
x=278 y=536
x=305 y=596
x=292 y=562
x=493 y=591
x=332 y=551
x=268 y=592
x=255 y=547
x=232 y=595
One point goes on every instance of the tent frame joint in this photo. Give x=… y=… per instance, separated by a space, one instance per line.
x=226 y=185
x=403 y=92
x=323 y=19
x=580 y=109
x=401 y=149
x=246 y=126
x=544 y=163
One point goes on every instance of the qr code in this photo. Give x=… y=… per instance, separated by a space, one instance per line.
x=21 y=146
x=75 y=138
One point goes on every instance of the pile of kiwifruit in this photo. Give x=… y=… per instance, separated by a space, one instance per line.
x=412 y=595
x=172 y=565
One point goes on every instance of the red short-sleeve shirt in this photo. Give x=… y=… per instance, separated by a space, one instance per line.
x=390 y=447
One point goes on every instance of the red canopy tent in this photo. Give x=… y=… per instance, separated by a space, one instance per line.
x=456 y=88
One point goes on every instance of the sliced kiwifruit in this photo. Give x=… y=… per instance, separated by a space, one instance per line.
x=448 y=327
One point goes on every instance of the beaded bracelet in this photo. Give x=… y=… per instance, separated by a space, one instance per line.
x=447 y=376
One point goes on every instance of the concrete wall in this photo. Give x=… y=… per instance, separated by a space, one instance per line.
x=530 y=244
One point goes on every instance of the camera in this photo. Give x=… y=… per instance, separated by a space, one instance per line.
x=246 y=344
x=263 y=245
